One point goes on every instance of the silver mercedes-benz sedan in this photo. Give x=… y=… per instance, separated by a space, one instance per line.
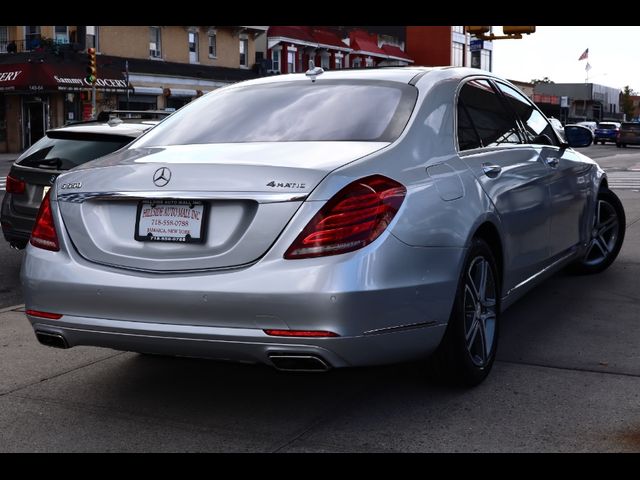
x=319 y=220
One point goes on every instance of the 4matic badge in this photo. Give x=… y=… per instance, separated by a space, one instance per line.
x=276 y=184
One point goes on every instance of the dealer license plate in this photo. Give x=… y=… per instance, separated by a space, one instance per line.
x=180 y=221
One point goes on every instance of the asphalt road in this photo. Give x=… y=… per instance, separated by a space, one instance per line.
x=567 y=379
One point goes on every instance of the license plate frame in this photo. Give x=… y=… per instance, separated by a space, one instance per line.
x=177 y=237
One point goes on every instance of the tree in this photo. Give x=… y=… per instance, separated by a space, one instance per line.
x=536 y=81
x=627 y=102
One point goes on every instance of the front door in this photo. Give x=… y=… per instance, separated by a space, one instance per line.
x=512 y=175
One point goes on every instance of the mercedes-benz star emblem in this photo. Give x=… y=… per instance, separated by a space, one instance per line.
x=162 y=176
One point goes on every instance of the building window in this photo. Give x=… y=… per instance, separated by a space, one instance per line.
x=357 y=62
x=458 y=29
x=244 y=52
x=93 y=37
x=155 y=42
x=31 y=37
x=324 y=60
x=193 y=47
x=368 y=62
x=291 y=62
x=485 y=60
x=212 y=45
x=61 y=34
x=275 y=60
x=4 y=38
x=338 y=63
x=457 y=54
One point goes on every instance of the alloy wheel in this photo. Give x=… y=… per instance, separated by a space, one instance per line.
x=480 y=311
x=604 y=234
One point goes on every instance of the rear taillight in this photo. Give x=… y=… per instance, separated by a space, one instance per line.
x=49 y=315
x=15 y=185
x=301 y=333
x=353 y=218
x=44 y=233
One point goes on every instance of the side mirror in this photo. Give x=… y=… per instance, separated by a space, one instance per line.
x=578 y=135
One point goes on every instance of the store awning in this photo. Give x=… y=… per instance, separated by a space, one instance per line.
x=46 y=77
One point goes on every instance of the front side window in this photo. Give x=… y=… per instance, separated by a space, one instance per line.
x=293 y=111
x=537 y=128
x=483 y=120
x=155 y=45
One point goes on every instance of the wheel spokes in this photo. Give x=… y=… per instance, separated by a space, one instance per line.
x=479 y=307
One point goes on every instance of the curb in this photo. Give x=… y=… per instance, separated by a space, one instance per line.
x=9 y=309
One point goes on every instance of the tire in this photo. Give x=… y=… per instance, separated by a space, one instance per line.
x=468 y=349
x=607 y=235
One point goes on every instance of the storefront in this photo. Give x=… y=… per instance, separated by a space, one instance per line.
x=36 y=95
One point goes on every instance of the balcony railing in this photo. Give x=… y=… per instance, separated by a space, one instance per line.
x=34 y=43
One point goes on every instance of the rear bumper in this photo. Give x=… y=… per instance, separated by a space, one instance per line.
x=388 y=302
x=240 y=345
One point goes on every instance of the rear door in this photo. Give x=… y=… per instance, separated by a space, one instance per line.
x=512 y=175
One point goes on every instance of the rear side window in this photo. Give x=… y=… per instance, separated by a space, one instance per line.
x=327 y=110
x=635 y=127
x=483 y=120
x=66 y=153
x=537 y=128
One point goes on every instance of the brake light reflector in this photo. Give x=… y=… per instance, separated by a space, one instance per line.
x=352 y=219
x=15 y=185
x=49 y=315
x=44 y=233
x=300 y=333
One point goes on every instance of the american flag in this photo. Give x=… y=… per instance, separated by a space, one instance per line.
x=584 y=55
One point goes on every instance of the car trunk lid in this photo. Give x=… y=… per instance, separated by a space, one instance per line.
x=245 y=195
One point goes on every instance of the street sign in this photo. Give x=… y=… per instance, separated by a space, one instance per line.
x=476 y=45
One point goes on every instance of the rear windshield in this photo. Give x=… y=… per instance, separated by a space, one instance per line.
x=66 y=153
x=327 y=110
x=631 y=126
x=607 y=126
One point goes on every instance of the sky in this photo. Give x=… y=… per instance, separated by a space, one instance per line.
x=614 y=55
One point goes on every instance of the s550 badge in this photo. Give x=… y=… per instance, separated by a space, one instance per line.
x=67 y=186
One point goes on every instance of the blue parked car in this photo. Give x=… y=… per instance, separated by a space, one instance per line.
x=606 y=132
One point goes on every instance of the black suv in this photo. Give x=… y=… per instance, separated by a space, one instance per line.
x=61 y=149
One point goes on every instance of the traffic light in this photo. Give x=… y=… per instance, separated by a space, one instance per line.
x=478 y=30
x=518 y=30
x=92 y=70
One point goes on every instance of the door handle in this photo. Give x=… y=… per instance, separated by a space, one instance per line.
x=491 y=170
x=552 y=161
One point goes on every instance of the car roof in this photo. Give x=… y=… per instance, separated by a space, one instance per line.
x=127 y=129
